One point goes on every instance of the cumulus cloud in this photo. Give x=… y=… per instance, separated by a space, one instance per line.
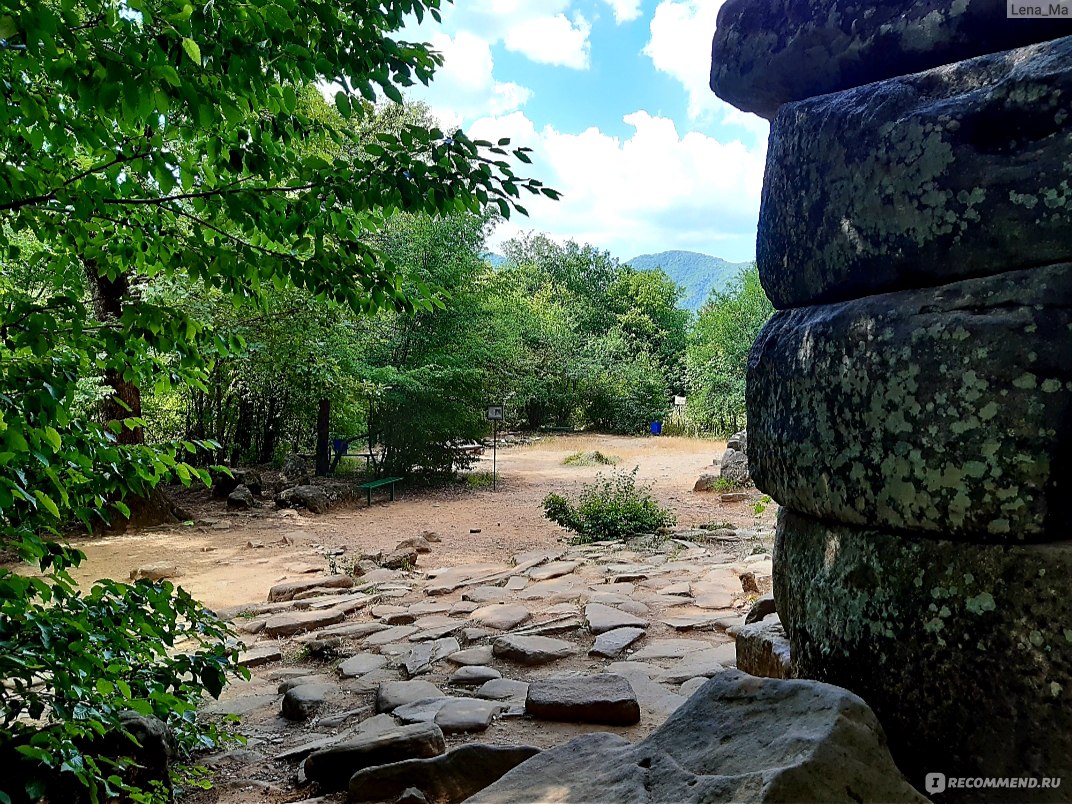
x=464 y=86
x=540 y=30
x=658 y=189
x=680 y=46
x=552 y=40
x=624 y=10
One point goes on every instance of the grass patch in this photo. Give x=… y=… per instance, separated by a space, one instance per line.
x=591 y=458
x=479 y=480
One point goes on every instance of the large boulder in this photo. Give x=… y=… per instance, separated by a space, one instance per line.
x=769 y=52
x=312 y=498
x=963 y=650
x=241 y=498
x=738 y=738
x=295 y=471
x=735 y=469
x=946 y=410
x=959 y=171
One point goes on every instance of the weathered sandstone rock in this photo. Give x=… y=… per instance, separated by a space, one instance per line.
x=946 y=410
x=917 y=181
x=738 y=738
x=768 y=52
x=964 y=651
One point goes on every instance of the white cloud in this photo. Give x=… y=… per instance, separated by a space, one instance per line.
x=624 y=10
x=653 y=191
x=680 y=46
x=538 y=29
x=464 y=86
x=553 y=40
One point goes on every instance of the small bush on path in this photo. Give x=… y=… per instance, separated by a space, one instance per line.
x=612 y=508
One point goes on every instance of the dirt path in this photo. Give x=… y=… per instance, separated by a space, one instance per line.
x=687 y=592
x=230 y=558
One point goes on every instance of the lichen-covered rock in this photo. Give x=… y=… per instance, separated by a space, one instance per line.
x=295 y=470
x=769 y=52
x=946 y=410
x=959 y=171
x=735 y=470
x=963 y=651
x=737 y=738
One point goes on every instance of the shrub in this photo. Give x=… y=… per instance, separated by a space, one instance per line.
x=611 y=508
x=592 y=458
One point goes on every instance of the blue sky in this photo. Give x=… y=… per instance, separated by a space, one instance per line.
x=613 y=97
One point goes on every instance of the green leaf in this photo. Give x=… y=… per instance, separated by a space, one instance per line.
x=342 y=103
x=193 y=51
x=53 y=438
x=46 y=501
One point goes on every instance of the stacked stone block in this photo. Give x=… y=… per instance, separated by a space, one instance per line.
x=910 y=405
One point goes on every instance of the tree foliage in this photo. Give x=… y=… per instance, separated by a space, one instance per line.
x=717 y=354
x=154 y=146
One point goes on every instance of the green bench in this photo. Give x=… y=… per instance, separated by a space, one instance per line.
x=375 y=484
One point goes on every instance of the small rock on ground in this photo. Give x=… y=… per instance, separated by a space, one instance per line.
x=604 y=698
x=394 y=694
x=532 y=650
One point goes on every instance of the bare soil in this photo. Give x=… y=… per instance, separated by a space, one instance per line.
x=231 y=558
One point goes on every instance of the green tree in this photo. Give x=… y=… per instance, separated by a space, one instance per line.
x=717 y=355
x=153 y=140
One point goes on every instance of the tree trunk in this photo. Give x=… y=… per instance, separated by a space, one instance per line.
x=125 y=402
x=323 y=442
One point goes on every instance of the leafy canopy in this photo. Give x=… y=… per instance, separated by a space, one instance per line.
x=154 y=140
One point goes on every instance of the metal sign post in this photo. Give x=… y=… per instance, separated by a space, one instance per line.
x=496 y=415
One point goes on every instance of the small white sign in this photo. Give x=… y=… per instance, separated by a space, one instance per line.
x=496 y=413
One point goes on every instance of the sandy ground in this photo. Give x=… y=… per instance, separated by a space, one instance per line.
x=230 y=558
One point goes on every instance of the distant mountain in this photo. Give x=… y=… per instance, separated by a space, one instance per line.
x=697 y=273
x=494 y=260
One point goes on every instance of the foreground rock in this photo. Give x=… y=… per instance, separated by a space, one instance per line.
x=966 y=447
x=995 y=689
x=605 y=698
x=738 y=738
x=332 y=767
x=763 y=649
x=961 y=171
x=770 y=52
x=450 y=778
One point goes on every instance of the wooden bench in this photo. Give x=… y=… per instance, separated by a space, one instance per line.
x=375 y=484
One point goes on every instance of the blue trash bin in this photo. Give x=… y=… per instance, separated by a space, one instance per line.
x=656 y=428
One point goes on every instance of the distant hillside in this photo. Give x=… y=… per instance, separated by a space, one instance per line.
x=495 y=260
x=698 y=273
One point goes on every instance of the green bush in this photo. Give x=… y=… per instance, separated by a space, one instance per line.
x=591 y=458
x=611 y=508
